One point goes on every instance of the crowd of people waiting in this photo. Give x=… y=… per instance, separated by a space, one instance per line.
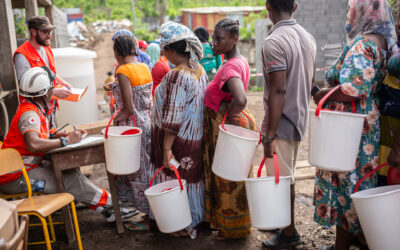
x=179 y=91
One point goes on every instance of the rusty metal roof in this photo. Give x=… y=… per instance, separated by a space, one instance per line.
x=226 y=9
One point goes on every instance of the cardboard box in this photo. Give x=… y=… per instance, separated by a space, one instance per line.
x=8 y=220
x=91 y=128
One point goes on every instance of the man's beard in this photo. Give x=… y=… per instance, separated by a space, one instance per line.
x=42 y=42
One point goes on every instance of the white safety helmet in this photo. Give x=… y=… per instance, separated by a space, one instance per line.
x=36 y=82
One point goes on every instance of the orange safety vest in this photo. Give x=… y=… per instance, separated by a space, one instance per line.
x=35 y=60
x=15 y=139
x=33 y=57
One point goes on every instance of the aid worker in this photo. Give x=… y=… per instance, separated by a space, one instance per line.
x=29 y=135
x=36 y=52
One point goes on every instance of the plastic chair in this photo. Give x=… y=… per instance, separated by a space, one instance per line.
x=20 y=239
x=40 y=206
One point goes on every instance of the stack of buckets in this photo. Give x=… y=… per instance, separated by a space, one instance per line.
x=334 y=143
x=268 y=198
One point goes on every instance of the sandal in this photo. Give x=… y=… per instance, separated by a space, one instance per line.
x=135 y=226
x=219 y=237
x=182 y=233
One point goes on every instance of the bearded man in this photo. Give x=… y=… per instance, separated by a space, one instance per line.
x=36 y=52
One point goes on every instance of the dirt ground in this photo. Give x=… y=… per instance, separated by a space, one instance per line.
x=97 y=233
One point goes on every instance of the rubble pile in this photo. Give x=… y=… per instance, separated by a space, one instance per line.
x=85 y=37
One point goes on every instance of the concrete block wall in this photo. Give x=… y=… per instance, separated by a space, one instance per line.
x=325 y=20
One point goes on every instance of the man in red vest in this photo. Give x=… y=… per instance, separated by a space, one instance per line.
x=29 y=135
x=36 y=52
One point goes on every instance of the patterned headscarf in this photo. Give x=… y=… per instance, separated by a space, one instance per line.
x=173 y=32
x=153 y=50
x=371 y=17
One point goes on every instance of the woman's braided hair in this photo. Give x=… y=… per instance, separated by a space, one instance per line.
x=229 y=25
x=125 y=45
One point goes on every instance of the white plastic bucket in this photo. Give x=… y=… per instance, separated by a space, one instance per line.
x=169 y=203
x=378 y=212
x=234 y=153
x=269 y=199
x=122 y=148
x=334 y=138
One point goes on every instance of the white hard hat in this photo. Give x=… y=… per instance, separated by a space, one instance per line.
x=36 y=82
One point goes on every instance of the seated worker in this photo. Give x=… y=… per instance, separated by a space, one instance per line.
x=29 y=135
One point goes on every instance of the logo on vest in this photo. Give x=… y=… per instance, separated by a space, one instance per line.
x=32 y=120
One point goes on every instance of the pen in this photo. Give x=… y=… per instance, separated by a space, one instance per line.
x=58 y=130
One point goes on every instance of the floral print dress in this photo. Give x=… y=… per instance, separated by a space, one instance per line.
x=359 y=70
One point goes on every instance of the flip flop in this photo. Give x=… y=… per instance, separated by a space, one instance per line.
x=179 y=234
x=135 y=226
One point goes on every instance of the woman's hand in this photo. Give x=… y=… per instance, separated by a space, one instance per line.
x=108 y=86
x=394 y=156
x=320 y=94
x=224 y=107
x=122 y=115
x=167 y=158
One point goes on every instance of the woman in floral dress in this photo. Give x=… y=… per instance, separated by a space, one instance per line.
x=359 y=71
x=132 y=93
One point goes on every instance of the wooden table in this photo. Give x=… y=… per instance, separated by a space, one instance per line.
x=69 y=158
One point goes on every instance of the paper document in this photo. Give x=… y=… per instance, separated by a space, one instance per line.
x=85 y=141
x=75 y=96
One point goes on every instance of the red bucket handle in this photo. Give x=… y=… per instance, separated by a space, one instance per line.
x=276 y=167
x=368 y=175
x=226 y=115
x=176 y=173
x=112 y=118
x=323 y=100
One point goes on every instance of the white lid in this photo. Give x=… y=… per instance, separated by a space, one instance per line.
x=73 y=53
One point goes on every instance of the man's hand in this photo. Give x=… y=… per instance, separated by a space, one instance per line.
x=394 y=158
x=269 y=149
x=62 y=82
x=74 y=137
x=61 y=93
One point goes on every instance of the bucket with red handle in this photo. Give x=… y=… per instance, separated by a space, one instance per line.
x=122 y=148
x=169 y=203
x=378 y=212
x=234 y=152
x=269 y=199
x=335 y=137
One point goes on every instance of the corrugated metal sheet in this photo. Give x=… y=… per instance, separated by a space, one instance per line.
x=227 y=9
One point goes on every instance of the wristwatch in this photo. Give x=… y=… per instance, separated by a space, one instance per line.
x=64 y=141
x=267 y=139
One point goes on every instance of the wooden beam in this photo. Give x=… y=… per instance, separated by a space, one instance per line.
x=20 y=4
x=8 y=46
x=50 y=13
x=31 y=8
x=45 y=3
x=8 y=78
